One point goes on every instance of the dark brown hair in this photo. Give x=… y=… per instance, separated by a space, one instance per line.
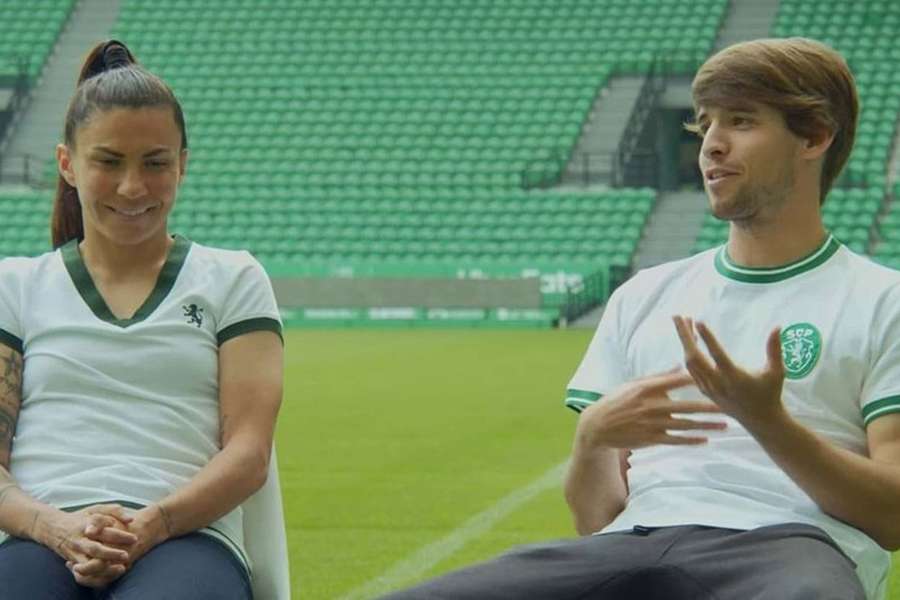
x=110 y=78
x=808 y=82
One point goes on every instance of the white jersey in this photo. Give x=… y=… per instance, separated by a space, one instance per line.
x=840 y=319
x=126 y=410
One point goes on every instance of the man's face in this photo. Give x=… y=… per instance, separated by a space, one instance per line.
x=748 y=159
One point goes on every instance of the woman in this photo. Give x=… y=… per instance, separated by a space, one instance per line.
x=140 y=372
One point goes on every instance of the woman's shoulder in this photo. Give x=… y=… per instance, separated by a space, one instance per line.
x=222 y=260
x=14 y=267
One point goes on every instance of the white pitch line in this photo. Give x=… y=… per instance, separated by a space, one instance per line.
x=404 y=571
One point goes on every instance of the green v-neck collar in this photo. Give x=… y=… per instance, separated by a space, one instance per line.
x=726 y=267
x=91 y=295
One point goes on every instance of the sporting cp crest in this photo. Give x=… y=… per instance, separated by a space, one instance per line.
x=801 y=345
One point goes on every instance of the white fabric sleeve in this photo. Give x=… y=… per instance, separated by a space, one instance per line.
x=249 y=304
x=603 y=367
x=11 y=278
x=881 y=389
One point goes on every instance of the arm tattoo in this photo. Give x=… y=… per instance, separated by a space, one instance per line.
x=11 y=367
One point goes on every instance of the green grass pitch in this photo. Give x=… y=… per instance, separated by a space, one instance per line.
x=389 y=440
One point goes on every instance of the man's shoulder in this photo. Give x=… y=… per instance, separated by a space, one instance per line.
x=662 y=275
x=867 y=276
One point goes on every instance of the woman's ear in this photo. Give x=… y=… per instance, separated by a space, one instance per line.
x=64 y=164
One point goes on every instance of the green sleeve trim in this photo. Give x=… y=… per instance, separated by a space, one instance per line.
x=12 y=341
x=578 y=400
x=879 y=408
x=259 y=324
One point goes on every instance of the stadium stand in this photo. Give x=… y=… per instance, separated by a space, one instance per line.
x=377 y=137
x=865 y=33
x=29 y=31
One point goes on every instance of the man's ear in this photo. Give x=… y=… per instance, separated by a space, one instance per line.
x=64 y=164
x=818 y=144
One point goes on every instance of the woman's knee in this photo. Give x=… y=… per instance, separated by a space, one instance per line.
x=30 y=570
x=194 y=567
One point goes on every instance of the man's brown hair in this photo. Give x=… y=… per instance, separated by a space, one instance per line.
x=808 y=82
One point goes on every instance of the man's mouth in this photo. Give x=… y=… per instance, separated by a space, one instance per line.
x=718 y=173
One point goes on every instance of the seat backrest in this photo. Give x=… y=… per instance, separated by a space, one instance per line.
x=265 y=539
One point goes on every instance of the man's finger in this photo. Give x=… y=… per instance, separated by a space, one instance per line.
x=687 y=406
x=689 y=424
x=773 y=352
x=682 y=440
x=670 y=380
x=694 y=360
x=715 y=348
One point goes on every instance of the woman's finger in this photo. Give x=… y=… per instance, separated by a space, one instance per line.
x=113 y=510
x=115 y=537
x=97 y=550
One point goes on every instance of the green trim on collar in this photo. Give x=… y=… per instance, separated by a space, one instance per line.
x=8 y=339
x=81 y=277
x=242 y=327
x=885 y=406
x=772 y=274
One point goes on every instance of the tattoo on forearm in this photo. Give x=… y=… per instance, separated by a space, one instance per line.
x=10 y=374
x=5 y=490
x=11 y=367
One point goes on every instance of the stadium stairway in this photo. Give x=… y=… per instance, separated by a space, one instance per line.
x=40 y=127
x=747 y=20
x=591 y=160
x=671 y=229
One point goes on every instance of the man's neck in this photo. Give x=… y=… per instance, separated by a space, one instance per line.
x=777 y=242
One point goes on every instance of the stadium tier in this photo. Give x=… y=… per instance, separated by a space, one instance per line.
x=29 y=32
x=360 y=132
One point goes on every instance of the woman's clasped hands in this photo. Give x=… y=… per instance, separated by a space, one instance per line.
x=101 y=542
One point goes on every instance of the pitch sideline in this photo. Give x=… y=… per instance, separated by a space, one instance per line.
x=407 y=569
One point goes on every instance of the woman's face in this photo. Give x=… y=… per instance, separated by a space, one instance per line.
x=126 y=164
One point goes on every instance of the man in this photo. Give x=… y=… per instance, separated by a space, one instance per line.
x=740 y=426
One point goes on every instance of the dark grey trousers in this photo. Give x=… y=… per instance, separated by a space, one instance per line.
x=781 y=562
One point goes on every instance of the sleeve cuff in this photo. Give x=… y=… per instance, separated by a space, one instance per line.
x=879 y=408
x=578 y=400
x=8 y=339
x=242 y=327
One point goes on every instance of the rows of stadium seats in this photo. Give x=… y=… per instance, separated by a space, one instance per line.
x=29 y=32
x=888 y=249
x=515 y=228
x=865 y=33
x=348 y=130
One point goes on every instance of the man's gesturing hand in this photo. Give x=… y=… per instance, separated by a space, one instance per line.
x=640 y=413
x=753 y=398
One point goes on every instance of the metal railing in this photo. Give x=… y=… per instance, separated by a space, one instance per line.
x=629 y=164
x=26 y=169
